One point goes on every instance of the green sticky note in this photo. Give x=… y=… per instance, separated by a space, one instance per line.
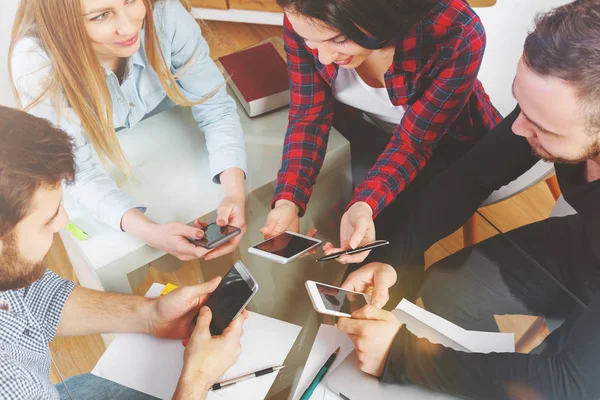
x=76 y=232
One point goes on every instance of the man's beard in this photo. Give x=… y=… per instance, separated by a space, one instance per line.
x=15 y=271
x=592 y=151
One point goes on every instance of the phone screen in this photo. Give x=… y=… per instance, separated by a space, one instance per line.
x=341 y=300
x=227 y=300
x=286 y=245
x=214 y=232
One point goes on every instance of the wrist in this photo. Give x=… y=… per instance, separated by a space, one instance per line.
x=200 y=380
x=232 y=183
x=137 y=223
x=362 y=207
x=147 y=312
x=287 y=203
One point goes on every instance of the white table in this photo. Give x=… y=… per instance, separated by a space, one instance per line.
x=170 y=160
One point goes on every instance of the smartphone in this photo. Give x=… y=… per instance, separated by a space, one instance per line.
x=335 y=301
x=284 y=247
x=215 y=235
x=229 y=298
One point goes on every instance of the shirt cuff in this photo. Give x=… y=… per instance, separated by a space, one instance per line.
x=225 y=160
x=293 y=194
x=395 y=364
x=113 y=206
x=373 y=203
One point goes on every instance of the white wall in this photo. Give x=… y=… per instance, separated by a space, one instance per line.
x=8 y=9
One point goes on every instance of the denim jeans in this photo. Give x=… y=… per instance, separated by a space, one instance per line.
x=91 y=387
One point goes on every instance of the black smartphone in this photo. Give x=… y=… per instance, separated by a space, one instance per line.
x=215 y=235
x=229 y=298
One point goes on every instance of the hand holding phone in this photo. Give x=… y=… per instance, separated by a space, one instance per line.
x=332 y=300
x=229 y=298
x=215 y=235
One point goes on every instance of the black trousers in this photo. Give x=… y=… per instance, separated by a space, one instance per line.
x=367 y=143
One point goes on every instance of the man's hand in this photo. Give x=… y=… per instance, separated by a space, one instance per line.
x=373 y=331
x=170 y=316
x=373 y=279
x=356 y=229
x=283 y=217
x=207 y=358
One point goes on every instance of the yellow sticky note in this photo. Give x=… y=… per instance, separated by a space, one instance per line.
x=169 y=287
x=76 y=232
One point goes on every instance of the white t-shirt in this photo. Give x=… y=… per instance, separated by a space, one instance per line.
x=350 y=89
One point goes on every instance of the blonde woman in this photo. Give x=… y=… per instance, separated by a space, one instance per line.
x=93 y=66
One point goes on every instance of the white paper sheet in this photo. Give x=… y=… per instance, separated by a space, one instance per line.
x=438 y=330
x=329 y=337
x=153 y=365
x=420 y=322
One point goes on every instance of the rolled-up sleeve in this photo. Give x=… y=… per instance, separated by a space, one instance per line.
x=198 y=76
x=93 y=189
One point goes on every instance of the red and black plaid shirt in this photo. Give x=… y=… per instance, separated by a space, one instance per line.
x=434 y=75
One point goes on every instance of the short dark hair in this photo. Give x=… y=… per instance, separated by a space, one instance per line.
x=33 y=154
x=565 y=44
x=384 y=20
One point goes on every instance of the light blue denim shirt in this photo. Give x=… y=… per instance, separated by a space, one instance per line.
x=139 y=93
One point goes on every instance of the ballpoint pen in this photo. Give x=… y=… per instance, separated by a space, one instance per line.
x=313 y=385
x=242 y=378
x=370 y=246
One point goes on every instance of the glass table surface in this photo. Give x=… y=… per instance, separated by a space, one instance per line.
x=282 y=294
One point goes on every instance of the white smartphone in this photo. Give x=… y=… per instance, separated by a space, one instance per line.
x=332 y=300
x=229 y=298
x=284 y=247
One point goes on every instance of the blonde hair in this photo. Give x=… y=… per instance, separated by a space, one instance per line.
x=60 y=30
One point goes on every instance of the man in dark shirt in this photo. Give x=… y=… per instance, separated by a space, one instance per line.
x=557 y=87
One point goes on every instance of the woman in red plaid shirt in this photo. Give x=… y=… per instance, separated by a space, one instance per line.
x=410 y=68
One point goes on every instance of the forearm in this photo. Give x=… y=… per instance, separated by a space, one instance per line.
x=565 y=370
x=190 y=387
x=137 y=224
x=232 y=183
x=90 y=312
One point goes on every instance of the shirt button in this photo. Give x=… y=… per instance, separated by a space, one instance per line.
x=131 y=105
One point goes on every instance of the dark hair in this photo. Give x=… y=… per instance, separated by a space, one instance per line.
x=566 y=45
x=33 y=154
x=383 y=20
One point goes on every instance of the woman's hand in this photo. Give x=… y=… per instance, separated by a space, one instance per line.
x=283 y=217
x=356 y=229
x=171 y=237
x=231 y=211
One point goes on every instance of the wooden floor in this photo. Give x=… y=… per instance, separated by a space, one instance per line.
x=78 y=355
